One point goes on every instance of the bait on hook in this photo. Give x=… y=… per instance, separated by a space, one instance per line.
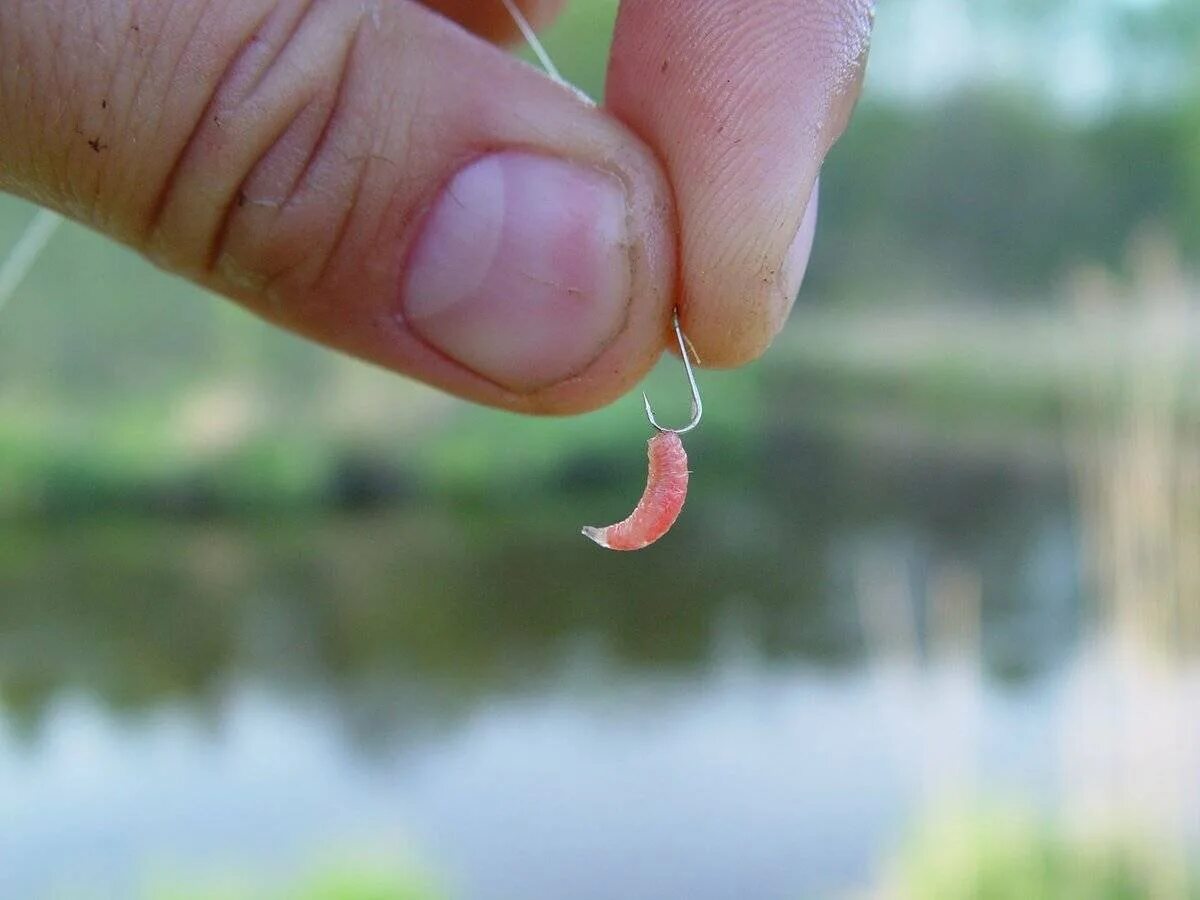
x=667 y=480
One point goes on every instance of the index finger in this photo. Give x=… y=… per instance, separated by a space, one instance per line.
x=741 y=99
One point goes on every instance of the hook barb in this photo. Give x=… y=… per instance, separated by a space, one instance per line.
x=697 y=404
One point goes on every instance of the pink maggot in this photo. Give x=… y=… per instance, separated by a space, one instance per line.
x=661 y=503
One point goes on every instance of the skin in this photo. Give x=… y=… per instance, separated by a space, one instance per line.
x=287 y=154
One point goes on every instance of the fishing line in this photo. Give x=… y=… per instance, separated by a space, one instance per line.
x=25 y=252
x=535 y=44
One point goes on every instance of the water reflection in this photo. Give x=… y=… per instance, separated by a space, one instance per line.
x=481 y=601
x=540 y=719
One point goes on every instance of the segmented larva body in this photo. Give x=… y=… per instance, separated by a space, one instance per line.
x=656 y=512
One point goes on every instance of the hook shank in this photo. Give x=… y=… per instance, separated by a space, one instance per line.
x=697 y=403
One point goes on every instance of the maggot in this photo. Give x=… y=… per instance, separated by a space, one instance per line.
x=661 y=503
x=667 y=480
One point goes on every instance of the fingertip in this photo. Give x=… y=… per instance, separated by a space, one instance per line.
x=730 y=329
x=741 y=99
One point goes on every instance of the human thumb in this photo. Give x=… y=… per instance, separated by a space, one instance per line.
x=368 y=175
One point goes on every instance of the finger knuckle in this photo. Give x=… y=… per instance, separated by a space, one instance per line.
x=263 y=180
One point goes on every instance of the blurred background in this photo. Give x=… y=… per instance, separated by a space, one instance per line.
x=274 y=624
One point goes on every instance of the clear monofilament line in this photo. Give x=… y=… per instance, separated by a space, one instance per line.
x=539 y=50
x=25 y=252
x=533 y=41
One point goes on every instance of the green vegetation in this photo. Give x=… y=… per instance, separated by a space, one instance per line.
x=1012 y=856
x=995 y=197
x=358 y=881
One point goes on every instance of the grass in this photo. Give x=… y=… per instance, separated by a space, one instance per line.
x=1121 y=823
x=1007 y=855
x=353 y=880
x=247 y=441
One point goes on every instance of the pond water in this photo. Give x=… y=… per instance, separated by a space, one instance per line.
x=762 y=706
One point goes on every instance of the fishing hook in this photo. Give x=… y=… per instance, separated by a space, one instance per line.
x=697 y=403
x=667 y=479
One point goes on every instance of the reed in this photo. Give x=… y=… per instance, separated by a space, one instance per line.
x=1124 y=818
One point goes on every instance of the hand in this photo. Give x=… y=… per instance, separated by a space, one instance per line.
x=369 y=174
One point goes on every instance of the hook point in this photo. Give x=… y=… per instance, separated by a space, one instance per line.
x=697 y=403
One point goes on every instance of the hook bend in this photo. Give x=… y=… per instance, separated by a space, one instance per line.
x=697 y=403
